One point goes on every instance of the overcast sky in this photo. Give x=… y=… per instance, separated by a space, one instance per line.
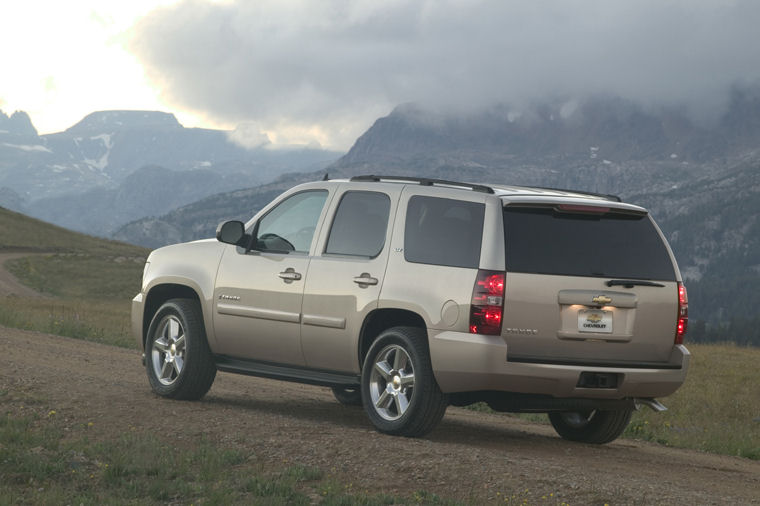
x=324 y=70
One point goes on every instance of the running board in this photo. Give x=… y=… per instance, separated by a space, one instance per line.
x=286 y=373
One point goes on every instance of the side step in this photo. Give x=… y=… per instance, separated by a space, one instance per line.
x=279 y=372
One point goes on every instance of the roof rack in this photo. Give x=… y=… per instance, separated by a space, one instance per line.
x=423 y=181
x=605 y=196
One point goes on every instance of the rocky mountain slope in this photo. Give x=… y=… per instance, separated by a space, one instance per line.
x=70 y=177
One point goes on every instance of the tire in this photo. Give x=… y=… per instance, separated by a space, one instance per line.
x=348 y=396
x=178 y=360
x=399 y=391
x=597 y=427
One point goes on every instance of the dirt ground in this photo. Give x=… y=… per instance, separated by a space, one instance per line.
x=471 y=456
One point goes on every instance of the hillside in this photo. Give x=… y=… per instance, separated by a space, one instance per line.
x=713 y=225
x=80 y=285
x=21 y=233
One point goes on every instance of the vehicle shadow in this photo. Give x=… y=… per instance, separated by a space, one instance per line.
x=313 y=410
x=452 y=429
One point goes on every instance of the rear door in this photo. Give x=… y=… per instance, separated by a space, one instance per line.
x=345 y=279
x=587 y=284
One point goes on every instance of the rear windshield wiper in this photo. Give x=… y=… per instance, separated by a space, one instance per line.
x=630 y=283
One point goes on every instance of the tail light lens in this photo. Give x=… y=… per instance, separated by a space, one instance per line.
x=683 y=314
x=487 y=307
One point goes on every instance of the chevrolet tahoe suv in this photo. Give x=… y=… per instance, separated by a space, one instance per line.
x=406 y=295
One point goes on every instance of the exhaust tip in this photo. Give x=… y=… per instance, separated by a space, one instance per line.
x=652 y=404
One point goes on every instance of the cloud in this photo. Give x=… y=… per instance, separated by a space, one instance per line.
x=329 y=68
x=249 y=135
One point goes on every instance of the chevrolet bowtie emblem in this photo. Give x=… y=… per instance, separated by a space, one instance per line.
x=601 y=299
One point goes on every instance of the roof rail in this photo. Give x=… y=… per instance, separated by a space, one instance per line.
x=423 y=181
x=605 y=196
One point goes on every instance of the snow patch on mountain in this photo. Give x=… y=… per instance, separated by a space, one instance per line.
x=102 y=162
x=27 y=147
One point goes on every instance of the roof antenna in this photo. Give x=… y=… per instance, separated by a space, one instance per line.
x=326 y=178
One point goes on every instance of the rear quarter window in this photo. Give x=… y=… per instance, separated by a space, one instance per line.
x=443 y=231
x=543 y=240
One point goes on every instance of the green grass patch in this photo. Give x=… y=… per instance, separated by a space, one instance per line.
x=87 y=296
x=44 y=463
x=104 y=321
x=80 y=275
x=717 y=410
x=88 y=282
x=22 y=233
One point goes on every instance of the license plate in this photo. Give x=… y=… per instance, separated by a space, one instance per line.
x=595 y=320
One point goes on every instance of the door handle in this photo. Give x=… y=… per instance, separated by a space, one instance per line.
x=365 y=280
x=290 y=275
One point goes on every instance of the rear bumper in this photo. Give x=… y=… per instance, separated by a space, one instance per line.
x=473 y=362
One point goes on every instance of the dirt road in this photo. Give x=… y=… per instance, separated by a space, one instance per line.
x=9 y=285
x=471 y=456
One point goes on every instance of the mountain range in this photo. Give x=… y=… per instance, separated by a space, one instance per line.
x=117 y=166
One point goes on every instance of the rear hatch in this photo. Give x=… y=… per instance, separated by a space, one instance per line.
x=587 y=284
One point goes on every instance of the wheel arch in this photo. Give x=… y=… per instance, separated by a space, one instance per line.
x=380 y=320
x=161 y=293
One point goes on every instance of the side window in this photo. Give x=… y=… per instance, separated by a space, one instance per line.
x=291 y=224
x=443 y=231
x=360 y=224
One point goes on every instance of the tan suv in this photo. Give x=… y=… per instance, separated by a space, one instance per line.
x=407 y=295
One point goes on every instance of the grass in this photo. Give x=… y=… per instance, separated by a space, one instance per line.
x=43 y=462
x=718 y=408
x=104 y=321
x=22 y=233
x=87 y=296
x=88 y=282
x=80 y=275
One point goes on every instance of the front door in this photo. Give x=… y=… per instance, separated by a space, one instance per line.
x=258 y=293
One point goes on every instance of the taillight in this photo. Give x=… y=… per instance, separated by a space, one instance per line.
x=683 y=313
x=487 y=306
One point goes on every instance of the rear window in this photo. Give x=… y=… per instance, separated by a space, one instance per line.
x=543 y=240
x=443 y=231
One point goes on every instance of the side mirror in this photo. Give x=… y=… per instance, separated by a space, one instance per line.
x=231 y=232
